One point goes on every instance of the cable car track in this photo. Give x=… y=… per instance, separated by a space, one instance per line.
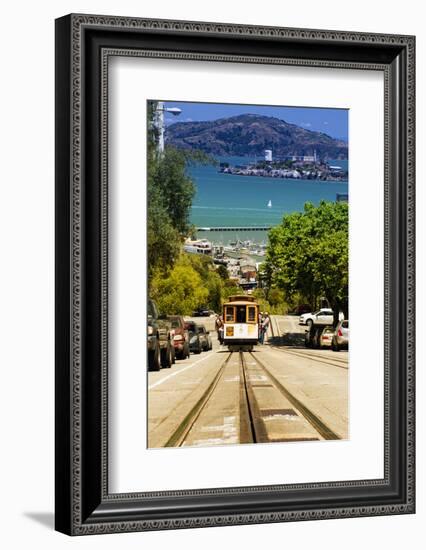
x=335 y=361
x=251 y=428
x=341 y=364
x=180 y=434
x=253 y=418
x=257 y=393
x=313 y=419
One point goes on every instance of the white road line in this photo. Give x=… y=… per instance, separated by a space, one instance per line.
x=177 y=372
x=257 y=378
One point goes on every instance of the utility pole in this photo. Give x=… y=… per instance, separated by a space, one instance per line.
x=159 y=122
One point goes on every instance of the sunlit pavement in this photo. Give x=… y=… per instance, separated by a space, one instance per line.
x=281 y=392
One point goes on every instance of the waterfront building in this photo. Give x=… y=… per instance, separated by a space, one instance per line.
x=336 y=169
x=199 y=246
x=248 y=272
x=268 y=155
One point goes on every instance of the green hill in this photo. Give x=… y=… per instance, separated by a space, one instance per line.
x=249 y=135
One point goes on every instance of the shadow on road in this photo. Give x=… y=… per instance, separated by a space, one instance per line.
x=292 y=339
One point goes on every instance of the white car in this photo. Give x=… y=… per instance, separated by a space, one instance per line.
x=323 y=316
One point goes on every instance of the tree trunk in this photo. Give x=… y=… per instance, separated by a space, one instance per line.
x=336 y=305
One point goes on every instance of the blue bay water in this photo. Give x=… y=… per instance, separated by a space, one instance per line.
x=230 y=200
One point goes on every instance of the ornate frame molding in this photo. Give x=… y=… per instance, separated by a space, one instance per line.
x=76 y=501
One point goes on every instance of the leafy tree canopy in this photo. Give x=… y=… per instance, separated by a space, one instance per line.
x=170 y=195
x=178 y=282
x=180 y=292
x=308 y=253
x=191 y=283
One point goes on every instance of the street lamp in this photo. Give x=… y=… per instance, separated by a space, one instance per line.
x=160 y=110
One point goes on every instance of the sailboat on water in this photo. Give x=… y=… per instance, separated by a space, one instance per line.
x=269 y=205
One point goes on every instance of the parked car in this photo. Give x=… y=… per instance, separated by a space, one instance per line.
x=154 y=362
x=323 y=316
x=202 y=312
x=341 y=336
x=318 y=336
x=180 y=336
x=160 y=347
x=195 y=342
x=325 y=336
x=206 y=341
x=167 y=350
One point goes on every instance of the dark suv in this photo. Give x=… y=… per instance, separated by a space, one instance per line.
x=160 y=346
x=195 y=338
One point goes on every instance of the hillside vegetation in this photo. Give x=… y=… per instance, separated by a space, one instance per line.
x=250 y=134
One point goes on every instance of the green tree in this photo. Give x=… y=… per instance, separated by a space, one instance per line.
x=210 y=277
x=163 y=237
x=180 y=292
x=164 y=241
x=214 y=285
x=308 y=254
x=175 y=187
x=170 y=193
x=230 y=288
x=271 y=300
x=222 y=272
x=191 y=283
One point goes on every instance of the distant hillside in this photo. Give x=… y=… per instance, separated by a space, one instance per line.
x=247 y=135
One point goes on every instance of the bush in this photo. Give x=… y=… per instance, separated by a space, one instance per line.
x=180 y=292
x=191 y=283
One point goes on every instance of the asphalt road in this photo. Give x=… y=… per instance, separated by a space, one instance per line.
x=280 y=392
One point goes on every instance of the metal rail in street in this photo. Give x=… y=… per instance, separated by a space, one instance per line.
x=180 y=434
x=340 y=364
x=335 y=361
x=252 y=411
x=308 y=414
x=257 y=426
x=251 y=428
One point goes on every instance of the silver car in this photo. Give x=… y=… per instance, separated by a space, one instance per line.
x=206 y=341
x=341 y=336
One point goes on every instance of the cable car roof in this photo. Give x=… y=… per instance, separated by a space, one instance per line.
x=240 y=303
x=241 y=298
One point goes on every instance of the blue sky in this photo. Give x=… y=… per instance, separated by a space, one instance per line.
x=333 y=122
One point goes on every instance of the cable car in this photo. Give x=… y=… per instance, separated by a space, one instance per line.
x=241 y=323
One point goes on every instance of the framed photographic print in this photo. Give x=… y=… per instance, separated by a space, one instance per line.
x=228 y=199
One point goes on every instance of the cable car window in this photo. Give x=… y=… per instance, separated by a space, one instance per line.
x=241 y=314
x=229 y=317
x=251 y=314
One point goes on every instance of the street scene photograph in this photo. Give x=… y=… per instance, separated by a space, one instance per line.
x=248 y=274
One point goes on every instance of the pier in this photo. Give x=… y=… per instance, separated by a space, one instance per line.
x=227 y=228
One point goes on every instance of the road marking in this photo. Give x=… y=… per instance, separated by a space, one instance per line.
x=192 y=382
x=289 y=417
x=204 y=442
x=257 y=378
x=229 y=434
x=178 y=372
x=212 y=428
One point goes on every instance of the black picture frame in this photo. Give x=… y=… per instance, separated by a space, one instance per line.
x=83 y=45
